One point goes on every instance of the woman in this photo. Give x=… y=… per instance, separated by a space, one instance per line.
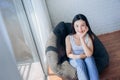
x=79 y=49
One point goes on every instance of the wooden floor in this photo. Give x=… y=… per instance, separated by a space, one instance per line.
x=112 y=43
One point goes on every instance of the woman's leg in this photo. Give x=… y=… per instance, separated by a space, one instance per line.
x=79 y=64
x=92 y=69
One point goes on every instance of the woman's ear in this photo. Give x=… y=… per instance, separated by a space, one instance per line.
x=87 y=27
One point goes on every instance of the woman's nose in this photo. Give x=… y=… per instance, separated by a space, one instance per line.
x=80 y=28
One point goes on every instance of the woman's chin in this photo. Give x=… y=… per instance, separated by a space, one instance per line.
x=79 y=33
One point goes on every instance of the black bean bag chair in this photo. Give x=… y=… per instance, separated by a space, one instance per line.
x=56 y=55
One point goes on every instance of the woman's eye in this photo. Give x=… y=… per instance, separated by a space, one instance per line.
x=83 y=25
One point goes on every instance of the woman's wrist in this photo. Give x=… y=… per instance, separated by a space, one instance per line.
x=82 y=41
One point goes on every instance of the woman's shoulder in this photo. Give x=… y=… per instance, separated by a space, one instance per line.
x=91 y=36
x=68 y=36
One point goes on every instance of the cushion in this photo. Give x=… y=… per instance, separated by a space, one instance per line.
x=100 y=54
x=56 y=56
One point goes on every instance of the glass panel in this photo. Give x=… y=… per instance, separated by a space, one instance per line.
x=22 y=40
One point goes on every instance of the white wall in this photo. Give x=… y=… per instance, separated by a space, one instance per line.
x=103 y=15
x=8 y=67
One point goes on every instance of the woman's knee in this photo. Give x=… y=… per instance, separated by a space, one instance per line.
x=89 y=59
x=80 y=63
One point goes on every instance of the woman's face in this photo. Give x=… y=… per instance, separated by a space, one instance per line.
x=80 y=26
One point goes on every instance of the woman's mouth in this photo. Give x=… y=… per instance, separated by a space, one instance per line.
x=80 y=31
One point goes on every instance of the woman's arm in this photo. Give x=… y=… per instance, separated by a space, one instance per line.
x=88 y=48
x=69 y=50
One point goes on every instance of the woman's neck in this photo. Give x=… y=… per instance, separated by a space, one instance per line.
x=76 y=36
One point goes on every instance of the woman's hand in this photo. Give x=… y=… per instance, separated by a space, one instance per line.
x=84 y=33
x=82 y=56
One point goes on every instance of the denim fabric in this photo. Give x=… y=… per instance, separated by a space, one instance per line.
x=86 y=68
x=91 y=68
x=79 y=64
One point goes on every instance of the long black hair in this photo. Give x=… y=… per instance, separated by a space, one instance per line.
x=81 y=17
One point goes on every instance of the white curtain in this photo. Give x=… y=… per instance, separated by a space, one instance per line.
x=7 y=58
x=39 y=22
x=42 y=28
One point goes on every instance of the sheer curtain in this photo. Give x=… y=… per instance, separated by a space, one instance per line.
x=39 y=25
x=7 y=58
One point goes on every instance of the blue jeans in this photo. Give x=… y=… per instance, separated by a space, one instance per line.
x=86 y=68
